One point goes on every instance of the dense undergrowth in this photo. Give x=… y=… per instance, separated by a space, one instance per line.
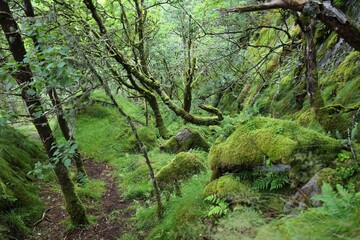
x=19 y=202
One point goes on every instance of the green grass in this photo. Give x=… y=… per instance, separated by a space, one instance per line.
x=93 y=189
x=183 y=218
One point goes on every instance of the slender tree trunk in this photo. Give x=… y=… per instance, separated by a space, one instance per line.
x=159 y=121
x=316 y=100
x=64 y=127
x=187 y=96
x=81 y=172
x=23 y=77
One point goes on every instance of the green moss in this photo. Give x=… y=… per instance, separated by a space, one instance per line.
x=241 y=224
x=328 y=175
x=183 y=166
x=19 y=202
x=228 y=187
x=349 y=93
x=192 y=141
x=279 y=140
x=147 y=136
x=93 y=189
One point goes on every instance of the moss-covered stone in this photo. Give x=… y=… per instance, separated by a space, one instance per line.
x=228 y=187
x=185 y=140
x=182 y=167
x=281 y=141
x=328 y=175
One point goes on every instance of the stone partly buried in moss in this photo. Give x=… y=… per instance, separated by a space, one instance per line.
x=231 y=189
x=182 y=167
x=147 y=136
x=185 y=140
x=277 y=141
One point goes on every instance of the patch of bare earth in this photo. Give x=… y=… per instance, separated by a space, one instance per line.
x=111 y=212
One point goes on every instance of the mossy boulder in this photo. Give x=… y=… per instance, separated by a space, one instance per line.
x=147 y=136
x=182 y=167
x=185 y=140
x=277 y=141
x=230 y=188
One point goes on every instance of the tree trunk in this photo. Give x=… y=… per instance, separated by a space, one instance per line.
x=23 y=77
x=64 y=127
x=316 y=100
x=159 y=121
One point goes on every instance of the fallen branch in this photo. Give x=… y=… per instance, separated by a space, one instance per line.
x=44 y=217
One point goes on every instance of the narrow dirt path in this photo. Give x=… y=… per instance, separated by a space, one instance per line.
x=111 y=212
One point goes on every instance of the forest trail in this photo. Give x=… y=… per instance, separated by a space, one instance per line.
x=111 y=212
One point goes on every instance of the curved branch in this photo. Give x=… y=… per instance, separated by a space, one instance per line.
x=331 y=16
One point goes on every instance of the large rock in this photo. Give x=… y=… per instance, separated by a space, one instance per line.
x=184 y=141
x=182 y=167
x=231 y=189
x=276 y=141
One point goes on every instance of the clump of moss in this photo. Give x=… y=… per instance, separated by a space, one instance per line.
x=182 y=167
x=147 y=136
x=185 y=140
x=230 y=188
x=328 y=175
x=19 y=203
x=279 y=141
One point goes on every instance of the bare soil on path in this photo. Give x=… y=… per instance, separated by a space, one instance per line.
x=111 y=212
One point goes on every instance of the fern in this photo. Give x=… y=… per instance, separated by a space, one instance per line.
x=338 y=202
x=270 y=181
x=219 y=206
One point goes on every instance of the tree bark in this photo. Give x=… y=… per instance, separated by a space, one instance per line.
x=64 y=127
x=23 y=77
x=159 y=121
x=316 y=100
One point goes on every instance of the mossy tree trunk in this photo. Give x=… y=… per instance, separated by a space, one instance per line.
x=187 y=38
x=23 y=77
x=149 y=98
x=159 y=121
x=316 y=100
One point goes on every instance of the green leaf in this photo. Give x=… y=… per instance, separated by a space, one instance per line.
x=67 y=162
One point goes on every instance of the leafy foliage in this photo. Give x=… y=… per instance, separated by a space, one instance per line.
x=219 y=206
x=270 y=181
